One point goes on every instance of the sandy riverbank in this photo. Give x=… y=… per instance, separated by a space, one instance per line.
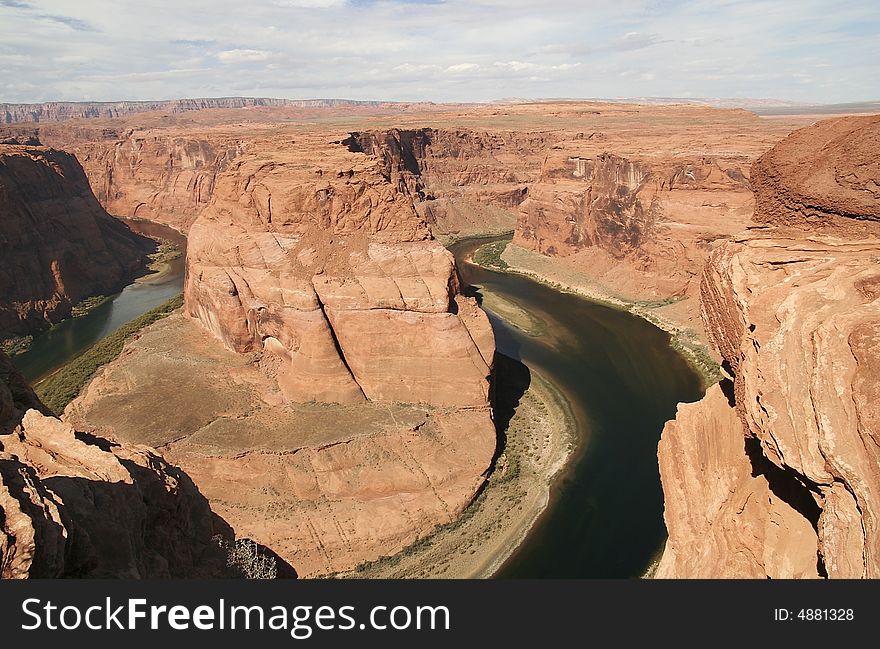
x=540 y=439
x=667 y=315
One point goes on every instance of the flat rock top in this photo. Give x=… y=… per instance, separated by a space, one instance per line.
x=832 y=166
x=627 y=129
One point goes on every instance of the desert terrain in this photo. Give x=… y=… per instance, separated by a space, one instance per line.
x=330 y=388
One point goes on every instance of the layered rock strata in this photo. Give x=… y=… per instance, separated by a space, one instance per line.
x=312 y=280
x=629 y=199
x=59 y=245
x=782 y=479
x=330 y=273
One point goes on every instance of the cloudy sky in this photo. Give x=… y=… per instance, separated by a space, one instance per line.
x=439 y=50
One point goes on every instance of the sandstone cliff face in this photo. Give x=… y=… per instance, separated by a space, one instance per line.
x=312 y=267
x=793 y=308
x=467 y=180
x=326 y=269
x=308 y=257
x=59 y=245
x=461 y=180
x=73 y=505
x=168 y=179
x=656 y=216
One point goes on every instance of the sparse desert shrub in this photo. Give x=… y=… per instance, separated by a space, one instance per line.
x=490 y=254
x=245 y=558
x=17 y=345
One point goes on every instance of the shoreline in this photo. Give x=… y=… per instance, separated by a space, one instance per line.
x=553 y=471
x=58 y=388
x=439 y=554
x=477 y=543
x=682 y=339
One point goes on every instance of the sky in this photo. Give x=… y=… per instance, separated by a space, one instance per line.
x=817 y=51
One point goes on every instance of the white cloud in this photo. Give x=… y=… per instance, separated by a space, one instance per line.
x=243 y=56
x=455 y=50
x=310 y=4
x=462 y=68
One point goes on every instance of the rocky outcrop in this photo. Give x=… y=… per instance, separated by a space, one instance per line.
x=59 y=245
x=793 y=308
x=313 y=269
x=169 y=179
x=325 y=486
x=74 y=505
x=834 y=188
x=467 y=180
x=325 y=268
x=309 y=262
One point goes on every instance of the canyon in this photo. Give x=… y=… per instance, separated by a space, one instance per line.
x=627 y=200
x=775 y=472
x=59 y=245
x=337 y=399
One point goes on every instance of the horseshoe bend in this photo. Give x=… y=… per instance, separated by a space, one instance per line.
x=355 y=394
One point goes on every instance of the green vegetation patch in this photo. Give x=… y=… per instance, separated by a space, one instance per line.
x=698 y=357
x=89 y=304
x=17 y=345
x=64 y=386
x=489 y=255
x=166 y=251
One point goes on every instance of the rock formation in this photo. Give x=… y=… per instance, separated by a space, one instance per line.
x=324 y=265
x=313 y=269
x=313 y=278
x=630 y=197
x=74 y=505
x=59 y=245
x=782 y=479
x=640 y=222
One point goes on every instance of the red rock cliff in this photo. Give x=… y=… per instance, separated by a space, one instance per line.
x=780 y=478
x=73 y=505
x=59 y=245
x=317 y=258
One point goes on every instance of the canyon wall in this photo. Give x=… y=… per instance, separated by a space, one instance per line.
x=59 y=245
x=74 y=505
x=318 y=259
x=468 y=180
x=642 y=223
x=779 y=477
x=312 y=279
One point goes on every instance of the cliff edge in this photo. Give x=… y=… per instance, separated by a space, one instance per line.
x=776 y=472
x=75 y=505
x=59 y=245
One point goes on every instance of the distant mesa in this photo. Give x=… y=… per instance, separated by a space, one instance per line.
x=54 y=111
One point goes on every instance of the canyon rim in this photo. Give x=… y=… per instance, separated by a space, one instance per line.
x=439 y=322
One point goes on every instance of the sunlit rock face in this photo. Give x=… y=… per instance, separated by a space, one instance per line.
x=793 y=308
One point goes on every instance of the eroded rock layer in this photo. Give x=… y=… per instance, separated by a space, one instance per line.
x=325 y=267
x=349 y=413
x=74 y=505
x=325 y=486
x=59 y=245
x=793 y=308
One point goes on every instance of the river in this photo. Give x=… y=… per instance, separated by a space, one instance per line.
x=621 y=377
x=70 y=338
x=623 y=380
